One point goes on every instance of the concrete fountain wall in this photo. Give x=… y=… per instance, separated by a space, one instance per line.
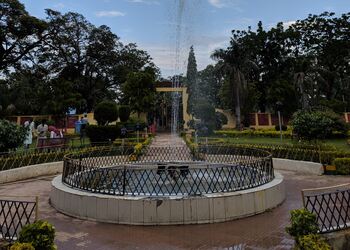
x=172 y=210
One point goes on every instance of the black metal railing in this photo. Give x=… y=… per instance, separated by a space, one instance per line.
x=166 y=171
x=331 y=206
x=14 y=214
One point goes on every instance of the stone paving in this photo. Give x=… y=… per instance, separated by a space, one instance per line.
x=264 y=231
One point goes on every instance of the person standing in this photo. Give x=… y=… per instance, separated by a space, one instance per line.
x=42 y=130
x=29 y=125
x=84 y=122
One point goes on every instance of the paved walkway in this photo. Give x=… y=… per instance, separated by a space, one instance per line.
x=264 y=231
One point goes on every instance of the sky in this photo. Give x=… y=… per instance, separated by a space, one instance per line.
x=162 y=26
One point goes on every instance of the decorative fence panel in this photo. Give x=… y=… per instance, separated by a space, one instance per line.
x=15 y=212
x=331 y=206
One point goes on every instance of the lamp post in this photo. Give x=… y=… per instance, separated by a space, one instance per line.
x=278 y=106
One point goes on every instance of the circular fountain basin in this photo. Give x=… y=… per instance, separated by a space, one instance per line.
x=212 y=187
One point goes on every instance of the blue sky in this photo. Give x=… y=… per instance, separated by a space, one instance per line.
x=206 y=24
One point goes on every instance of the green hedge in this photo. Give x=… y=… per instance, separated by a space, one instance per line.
x=301 y=152
x=258 y=133
x=101 y=134
x=342 y=165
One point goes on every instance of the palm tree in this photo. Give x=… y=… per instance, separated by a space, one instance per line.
x=234 y=64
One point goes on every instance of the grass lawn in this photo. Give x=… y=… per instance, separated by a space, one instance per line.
x=340 y=144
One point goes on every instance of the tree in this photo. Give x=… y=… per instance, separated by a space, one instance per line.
x=191 y=81
x=235 y=63
x=139 y=91
x=20 y=33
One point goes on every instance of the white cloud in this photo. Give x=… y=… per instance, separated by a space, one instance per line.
x=59 y=6
x=217 y=3
x=144 y=1
x=233 y=4
x=287 y=24
x=109 y=13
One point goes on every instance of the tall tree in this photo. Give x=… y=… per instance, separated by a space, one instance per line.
x=139 y=91
x=235 y=64
x=191 y=81
x=20 y=33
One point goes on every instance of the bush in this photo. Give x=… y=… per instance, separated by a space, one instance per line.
x=41 y=234
x=206 y=113
x=124 y=113
x=106 y=112
x=312 y=242
x=313 y=125
x=342 y=165
x=303 y=223
x=22 y=246
x=283 y=127
x=100 y=134
x=11 y=135
x=220 y=120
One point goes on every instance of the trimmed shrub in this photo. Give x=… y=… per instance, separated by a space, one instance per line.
x=303 y=223
x=41 y=234
x=106 y=112
x=313 y=125
x=124 y=113
x=101 y=134
x=11 y=135
x=22 y=246
x=312 y=242
x=342 y=165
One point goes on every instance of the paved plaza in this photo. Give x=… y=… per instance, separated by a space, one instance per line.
x=264 y=231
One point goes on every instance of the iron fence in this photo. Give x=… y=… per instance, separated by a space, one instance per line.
x=168 y=171
x=331 y=206
x=14 y=214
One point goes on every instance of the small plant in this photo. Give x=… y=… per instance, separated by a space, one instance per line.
x=22 y=246
x=303 y=223
x=40 y=234
x=312 y=242
x=11 y=135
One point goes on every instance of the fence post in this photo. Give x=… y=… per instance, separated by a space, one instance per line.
x=303 y=199
x=36 y=208
x=124 y=180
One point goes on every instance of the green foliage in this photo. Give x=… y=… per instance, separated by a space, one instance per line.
x=139 y=91
x=192 y=81
x=22 y=246
x=11 y=135
x=283 y=127
x=312 y=242
x=313 y=125
x=342 y=165
x=206 y=113
x=255 y=132
x=41 y=234
x=106 y=112
x=303 y=223
x=124 y=113
x=102 y=134
x=220 y=119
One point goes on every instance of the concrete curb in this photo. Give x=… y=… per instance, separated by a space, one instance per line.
x=23 y=173
x=303 y=167
x=133 y=210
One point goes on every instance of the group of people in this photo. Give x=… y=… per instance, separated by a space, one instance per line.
x=43 y=131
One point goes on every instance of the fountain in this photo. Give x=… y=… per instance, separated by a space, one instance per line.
x=167 y=185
